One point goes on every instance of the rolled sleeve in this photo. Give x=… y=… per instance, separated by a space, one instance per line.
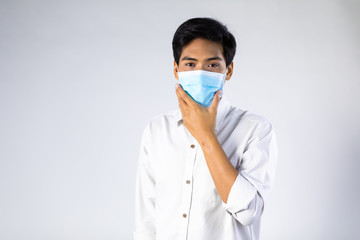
x=256 y=175
x=244 y=203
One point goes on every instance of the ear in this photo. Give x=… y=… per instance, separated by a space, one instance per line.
x=229 y=71
x=176 y=68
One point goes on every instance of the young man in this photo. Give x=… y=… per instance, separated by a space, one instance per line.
x=204 y=170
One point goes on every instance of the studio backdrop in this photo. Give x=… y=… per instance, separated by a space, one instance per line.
x=79 y=80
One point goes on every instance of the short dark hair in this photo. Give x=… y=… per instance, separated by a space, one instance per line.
x=206 y=28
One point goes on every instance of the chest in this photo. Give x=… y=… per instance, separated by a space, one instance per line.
x=180 y=166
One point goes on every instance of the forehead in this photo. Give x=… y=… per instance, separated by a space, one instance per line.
x=203 y=48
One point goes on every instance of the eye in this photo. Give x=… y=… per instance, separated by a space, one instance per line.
x=214 y=65
x=190 y=64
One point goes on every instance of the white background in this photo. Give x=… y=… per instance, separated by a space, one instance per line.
x=79 y=80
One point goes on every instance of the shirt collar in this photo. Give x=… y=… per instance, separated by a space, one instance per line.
x=222 y=111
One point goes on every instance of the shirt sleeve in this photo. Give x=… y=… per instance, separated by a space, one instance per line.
x=256 y=175
x=144 y=193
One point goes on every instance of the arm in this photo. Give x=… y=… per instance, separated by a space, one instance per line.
x=145 y=194
x=242 y=191
x=222 y=171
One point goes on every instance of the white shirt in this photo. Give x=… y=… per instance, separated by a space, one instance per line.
x=176 y=198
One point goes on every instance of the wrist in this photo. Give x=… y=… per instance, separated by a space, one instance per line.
x=208 y=142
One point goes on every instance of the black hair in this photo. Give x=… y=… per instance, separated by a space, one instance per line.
x=206 y=28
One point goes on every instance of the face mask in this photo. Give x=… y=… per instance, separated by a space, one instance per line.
x=201 y=85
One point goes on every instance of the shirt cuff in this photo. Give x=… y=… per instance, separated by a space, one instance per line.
x=241 y=195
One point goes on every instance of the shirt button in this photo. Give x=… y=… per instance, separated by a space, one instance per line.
x=192 y=145
x=188 y=181
x=184 y=215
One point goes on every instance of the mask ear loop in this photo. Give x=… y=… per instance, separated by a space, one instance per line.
x=223 y=83
x=225 y=74
x=177 y=81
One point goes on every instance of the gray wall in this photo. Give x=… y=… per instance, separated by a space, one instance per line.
x=80 y=79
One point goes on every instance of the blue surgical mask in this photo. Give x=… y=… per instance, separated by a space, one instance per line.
x=201 y=85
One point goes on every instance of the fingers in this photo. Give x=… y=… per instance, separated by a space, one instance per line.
x=215 y=101
x=180 y=99
x=183 y=95
x=182 y=104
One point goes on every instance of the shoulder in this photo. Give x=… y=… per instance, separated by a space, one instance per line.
x=246 y=116
x=163 y=120
x=248 y=121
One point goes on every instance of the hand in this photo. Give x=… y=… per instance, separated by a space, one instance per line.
x=199 y=120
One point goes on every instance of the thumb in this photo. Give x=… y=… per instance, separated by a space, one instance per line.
x=215 y=101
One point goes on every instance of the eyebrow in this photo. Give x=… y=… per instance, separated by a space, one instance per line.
x=194 y=59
